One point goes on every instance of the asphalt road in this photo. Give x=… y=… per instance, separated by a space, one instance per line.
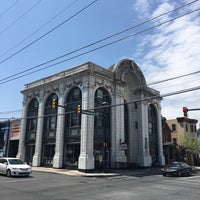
x=51 y=186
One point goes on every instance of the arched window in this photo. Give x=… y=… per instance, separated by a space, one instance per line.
x=73 y=120
x=32 y=116
x=49 y=130
x=102 y=133
x=72 y=128
x=126 y=123
x=31 y=128
x=50 y=119
x=153 y=133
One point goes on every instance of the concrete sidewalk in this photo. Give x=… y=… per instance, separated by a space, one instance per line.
x=114 y=172
x=71 y=172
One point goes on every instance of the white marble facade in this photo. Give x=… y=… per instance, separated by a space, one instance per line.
x=130 y=137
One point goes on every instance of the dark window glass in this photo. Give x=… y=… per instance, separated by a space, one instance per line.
x=50 y=119
x=32 y=115
x=72 y=118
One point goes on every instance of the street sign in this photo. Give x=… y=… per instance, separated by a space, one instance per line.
x=124 y=146
x=88 y=112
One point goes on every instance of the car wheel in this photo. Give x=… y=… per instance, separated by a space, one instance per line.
x=8 y=173
x=179 y=173
x=189 y=173
x=164 y=174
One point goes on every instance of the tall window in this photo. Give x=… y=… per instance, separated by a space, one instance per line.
x=50 y=119
x=101 y=122
x=102 y=133
x=73 y=120
x=173 y=127
x=153 y=134
x=32 y=119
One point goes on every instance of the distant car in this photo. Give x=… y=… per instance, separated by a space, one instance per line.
x=177 y=169
x=14 y=167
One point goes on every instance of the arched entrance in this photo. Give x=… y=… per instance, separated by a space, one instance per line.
x=72 y=129
x=102 y=133
x=153 y=134
x=32 y=116
x=49 y=131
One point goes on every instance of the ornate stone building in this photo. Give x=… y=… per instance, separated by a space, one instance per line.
x=120 y=123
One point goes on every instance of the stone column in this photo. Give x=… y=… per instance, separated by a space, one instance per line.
x=144 y=158
x=118 y=157
x=86 y=158
x=58 y=157
x=160 y=143
x=21 y=148
x=39 y=133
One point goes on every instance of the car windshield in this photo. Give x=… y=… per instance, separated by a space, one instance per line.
x=15 y=161
x=174 y=165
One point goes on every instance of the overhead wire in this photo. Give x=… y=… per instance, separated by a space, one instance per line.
x=50 y=31
x=12 y=5
x=20 y=17
x=119 y=104
x=176 y=77
x=92 y=44
x=38 y=29
x=164 y=95
x=177 y=92
x=92 y=50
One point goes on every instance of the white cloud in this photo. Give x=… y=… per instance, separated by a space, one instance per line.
x=142 y=7
x=173 y=50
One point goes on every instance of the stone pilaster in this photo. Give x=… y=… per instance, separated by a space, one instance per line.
x=86 y=158
x=21 y=148
x=39 y=134
x=160 y=143
x=118 y=157
x=144 y=158
x=58 y=157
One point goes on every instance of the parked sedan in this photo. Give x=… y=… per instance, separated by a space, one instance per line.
x=177 y=169
x=14 y=167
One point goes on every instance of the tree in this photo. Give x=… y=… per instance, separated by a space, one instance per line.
x=192 y=148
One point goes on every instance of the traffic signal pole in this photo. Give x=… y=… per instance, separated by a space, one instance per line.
x=193 y=109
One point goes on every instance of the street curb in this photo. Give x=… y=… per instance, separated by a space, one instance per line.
x=134 y=172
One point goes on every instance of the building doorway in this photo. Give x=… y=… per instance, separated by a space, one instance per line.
x=72 y=152
x=48 y=154
x=13 y=148
x=30 y=150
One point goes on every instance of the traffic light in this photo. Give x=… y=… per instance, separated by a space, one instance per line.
x=78 y=109
x=54 y=103
x=185 y=111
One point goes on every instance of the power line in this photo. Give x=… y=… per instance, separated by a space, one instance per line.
x=12 y=5
x=177 y=77
x=89 y=51
x=38 y=29
x=121 y=104
x=20 y=17
x=91 y=44
x=47 y=33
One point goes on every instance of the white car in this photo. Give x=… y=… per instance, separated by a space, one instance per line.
x=14 y=167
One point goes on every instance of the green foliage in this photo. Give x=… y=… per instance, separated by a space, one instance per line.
x=191 y=144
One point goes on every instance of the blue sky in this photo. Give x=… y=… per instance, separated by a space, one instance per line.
x=167 y=51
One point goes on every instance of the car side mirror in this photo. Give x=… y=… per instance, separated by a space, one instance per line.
x=5 y=163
